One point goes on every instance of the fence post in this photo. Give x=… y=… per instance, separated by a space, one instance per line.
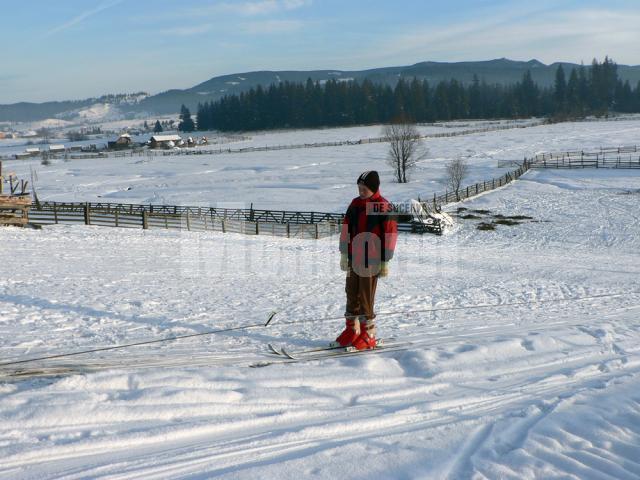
x=116 y=216
x=55 y=213
x=288 y=230
x=257 y=228
x=188 y=221
x=224 y=225
x=145 y=220
x=87 y=214
x=317 y=233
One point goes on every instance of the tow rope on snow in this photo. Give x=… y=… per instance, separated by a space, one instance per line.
x=323 y=319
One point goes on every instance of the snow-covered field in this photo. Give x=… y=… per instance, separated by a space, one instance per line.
x=544 y=385
x=318 y=179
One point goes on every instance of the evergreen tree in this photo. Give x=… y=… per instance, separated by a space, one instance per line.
x=441 y=102
x=475 y=99
x=560 y=91
x=157 y=128
x=313 y=104
x=527 y=96
x=186 y=122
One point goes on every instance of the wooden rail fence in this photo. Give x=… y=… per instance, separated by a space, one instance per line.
x=247 y=221
x=298 y=224
x=618 y=157
x=145 y=152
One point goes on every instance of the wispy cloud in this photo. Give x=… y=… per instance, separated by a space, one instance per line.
x=82 y=17
x=251 y=8
x=570 y=35
x=263 y=7
x=272 y=27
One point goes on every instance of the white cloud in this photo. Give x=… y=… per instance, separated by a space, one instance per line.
x=82 y=16
x=248 y=8
x=265 y=7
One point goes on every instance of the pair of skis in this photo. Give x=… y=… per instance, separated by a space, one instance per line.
x=331 y=348
x=282 y=355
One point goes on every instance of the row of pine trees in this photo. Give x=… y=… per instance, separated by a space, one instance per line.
x=584 y=91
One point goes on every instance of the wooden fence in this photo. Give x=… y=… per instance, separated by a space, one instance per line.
x=145 y=152
x=300 y=224
x=609 y=157
x=480 y=187
x=247 y=221
x=619 y=157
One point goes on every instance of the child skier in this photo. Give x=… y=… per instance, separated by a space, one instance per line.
x=367 y=241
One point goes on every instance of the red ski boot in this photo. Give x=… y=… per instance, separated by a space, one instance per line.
x=348 y=335
x=364 y=341
x=367 y=339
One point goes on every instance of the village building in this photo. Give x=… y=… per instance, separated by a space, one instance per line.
x=123 y=141
x=165 y=141
x=56 y=149
x=32 y=151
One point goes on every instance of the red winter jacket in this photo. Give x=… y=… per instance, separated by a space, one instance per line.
x=369 y=231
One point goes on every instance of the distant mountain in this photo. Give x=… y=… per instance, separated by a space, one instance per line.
x=501 y=71
x=117 y=104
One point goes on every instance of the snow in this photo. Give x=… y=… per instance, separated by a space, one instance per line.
x=313 y=179
x=544 y=385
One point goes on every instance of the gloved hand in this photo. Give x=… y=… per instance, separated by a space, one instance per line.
x=344 y=262
x=384 y=269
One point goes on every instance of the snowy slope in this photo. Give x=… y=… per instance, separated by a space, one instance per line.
x=541 y=387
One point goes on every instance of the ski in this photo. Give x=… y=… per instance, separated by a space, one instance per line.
x=273 y=349
x=332 y=346
x=332 y=352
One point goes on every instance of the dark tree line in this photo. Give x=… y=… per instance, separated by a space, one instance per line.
x=596 y=90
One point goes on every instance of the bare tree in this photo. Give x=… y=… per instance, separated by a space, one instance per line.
x=44 y=133
x=457 y=170
x=405 y=147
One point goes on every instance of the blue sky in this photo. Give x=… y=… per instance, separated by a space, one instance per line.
x=65 y=49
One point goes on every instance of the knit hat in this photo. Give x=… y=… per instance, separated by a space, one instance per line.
x=370 y=179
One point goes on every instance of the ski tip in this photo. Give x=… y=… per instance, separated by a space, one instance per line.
x=273 y=349
x=287 y=354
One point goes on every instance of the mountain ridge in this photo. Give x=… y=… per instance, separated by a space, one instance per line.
x=501 y=70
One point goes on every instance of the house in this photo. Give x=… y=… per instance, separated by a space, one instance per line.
x=56 y=149
x=165 y=141
x=32 y=151
x=123 y=141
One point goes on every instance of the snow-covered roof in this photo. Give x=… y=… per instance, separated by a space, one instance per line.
x=32 y=150
x=125 y=135
x=166 y=138
x=56 y=147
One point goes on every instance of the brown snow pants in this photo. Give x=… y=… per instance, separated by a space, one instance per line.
x=361 y=292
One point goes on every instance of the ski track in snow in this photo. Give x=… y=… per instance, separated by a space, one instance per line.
x=542 y=390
